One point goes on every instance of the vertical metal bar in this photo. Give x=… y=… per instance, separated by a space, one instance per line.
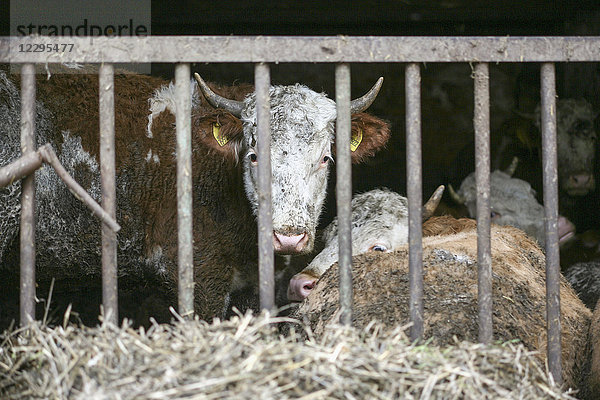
x=343 y=188
x=27 y=235
x=481 y=121
x=415 y=198
x=548 y=95
x=109 y=197
x=185 y=250
x=266 y=260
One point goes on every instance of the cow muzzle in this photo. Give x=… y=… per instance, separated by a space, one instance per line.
x=300 y=286
x=289 y=244
x=566 y=230
x=580 y=184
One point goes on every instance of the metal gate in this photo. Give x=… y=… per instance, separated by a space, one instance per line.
x=263 y=50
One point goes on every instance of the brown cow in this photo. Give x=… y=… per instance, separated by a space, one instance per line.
x=223 y=175
x=450 y=292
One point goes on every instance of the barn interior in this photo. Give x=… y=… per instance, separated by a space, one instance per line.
x=447 y=89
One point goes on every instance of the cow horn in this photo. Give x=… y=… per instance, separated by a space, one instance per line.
x=432 y=203
x=362 y=103
x=233 y=106
x=510 y=171
x=455 y=196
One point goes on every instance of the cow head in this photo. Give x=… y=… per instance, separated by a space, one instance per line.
x=302 y=134
x=576 y=145
x=379 y=223
x=512 y=202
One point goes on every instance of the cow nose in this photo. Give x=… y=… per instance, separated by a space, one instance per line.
x=581 y=180
x=566 y=229
x=300 y=287
x=285 y=244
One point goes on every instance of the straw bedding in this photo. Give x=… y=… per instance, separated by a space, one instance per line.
x=248 y=358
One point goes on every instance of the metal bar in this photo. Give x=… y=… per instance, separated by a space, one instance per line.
x=301 y=49
x=109 y=196
x=266 y=258
x=27 y=235
x=343 y=189
x=185 y=252
x=20 y=168
x=28 y=163
x=50 y=157
x=415 y=198
x=548 y=95
x=481 y=122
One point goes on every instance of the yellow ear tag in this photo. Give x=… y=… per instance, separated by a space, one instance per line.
x=524 y=137
x=216 y=129
x=355 y=140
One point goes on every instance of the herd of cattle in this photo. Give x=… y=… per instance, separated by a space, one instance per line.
x=225 y=204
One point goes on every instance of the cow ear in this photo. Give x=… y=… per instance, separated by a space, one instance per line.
x=369 y=135
x=221 y=132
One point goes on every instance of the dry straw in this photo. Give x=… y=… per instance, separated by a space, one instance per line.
x=248 y=358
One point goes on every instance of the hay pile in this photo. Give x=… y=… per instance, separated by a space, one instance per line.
x=247 y=358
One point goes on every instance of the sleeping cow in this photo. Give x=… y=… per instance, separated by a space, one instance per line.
x=224 y=176
x=379 y=223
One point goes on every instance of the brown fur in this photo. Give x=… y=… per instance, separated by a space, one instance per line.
x=225 y=238
x=594 y=379
x=450 y=293
x=376 y=133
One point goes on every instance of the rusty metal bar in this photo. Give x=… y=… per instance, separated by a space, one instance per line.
x=50 y=157
x=185 y=252
x=415 y=198
x=343 y=189
x=481 y=122
x=266 y=258
x=109 y=196
x=334 y=49
x=548 y=103
x=28 y=163
x=27 y=235
x=20 y=168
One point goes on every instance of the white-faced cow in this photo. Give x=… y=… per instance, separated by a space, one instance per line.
x=379 y=223
x=512 y=202
x=224 y=176
x=520 y=137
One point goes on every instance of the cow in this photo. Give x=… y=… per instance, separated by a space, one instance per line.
x=381 y=292
x=224 y=178
x=512 y=202
x=520 y=137
x=379 y=210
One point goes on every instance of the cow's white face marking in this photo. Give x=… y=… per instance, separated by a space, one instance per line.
x=379 y=223
x=302 y=131
x=576 y=142
x=512 y=202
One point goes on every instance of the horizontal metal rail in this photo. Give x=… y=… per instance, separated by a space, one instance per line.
x=329 y=49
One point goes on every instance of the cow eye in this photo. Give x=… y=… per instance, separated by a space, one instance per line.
x=326 y=159
x=378 y=247
x=253 y=158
